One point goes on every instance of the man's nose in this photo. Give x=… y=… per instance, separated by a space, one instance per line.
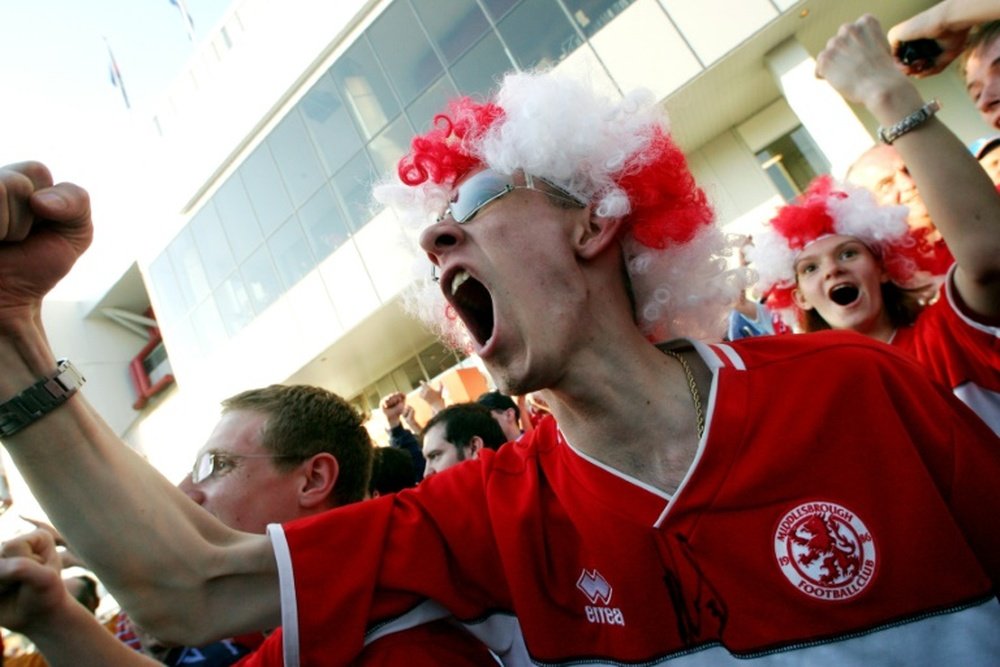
x=989 y=97
x=191 y=490
x=440 y=237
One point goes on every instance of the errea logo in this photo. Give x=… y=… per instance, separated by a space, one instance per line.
x=598 y=590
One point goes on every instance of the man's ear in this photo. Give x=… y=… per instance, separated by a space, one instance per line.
x=475 y=444
x=596 y=234
x=800 y=300
x=320 y=474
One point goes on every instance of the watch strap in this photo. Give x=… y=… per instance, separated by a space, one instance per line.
x=910 y=123
x=40 y=398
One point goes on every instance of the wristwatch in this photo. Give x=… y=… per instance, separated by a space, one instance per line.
x=911 y=122
x=40 y=398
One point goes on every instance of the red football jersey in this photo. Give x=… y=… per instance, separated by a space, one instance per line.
x=959 y=352
x=841 y=508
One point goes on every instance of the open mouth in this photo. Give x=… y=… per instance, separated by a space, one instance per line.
x=474 y=305
x=844 y=295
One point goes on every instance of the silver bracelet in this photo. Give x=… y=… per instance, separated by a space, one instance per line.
x=911 y=122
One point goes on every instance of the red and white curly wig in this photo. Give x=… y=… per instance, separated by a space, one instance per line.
x=614 y=154
x=829 y=208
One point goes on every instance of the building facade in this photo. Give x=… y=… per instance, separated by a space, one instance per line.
x=270 y=263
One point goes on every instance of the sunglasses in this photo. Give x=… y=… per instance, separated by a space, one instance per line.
x=487 y=186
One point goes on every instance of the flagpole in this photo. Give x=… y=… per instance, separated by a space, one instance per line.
x=116 y=76
x=185 y=16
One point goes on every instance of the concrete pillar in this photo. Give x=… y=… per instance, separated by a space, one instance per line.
x=823 y=112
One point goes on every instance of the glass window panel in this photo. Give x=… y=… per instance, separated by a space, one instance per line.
x=323 y=223
x=212 y=245
x=792 y=162
x=188 y=269
x=296 y=158
x=172 y=304
x=234 y=304
x=421 y=113
x=353 y=185
x=237 y=217
x=261 y=279
x=479 y=71
x=208 y=326
x=364 y=89
x=386 y=149
x=411 y=373
x=385 y=386
x=436 y=359
x=330 y=124
x=538 y=33
x=291 y=252
x=404 y=51
x=360 y=404
x=372 y=397
x=454 y=25
x=265 y=189
x=592 y=15
x=497 y=8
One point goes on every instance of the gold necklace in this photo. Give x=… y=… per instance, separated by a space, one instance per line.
x=693 y=388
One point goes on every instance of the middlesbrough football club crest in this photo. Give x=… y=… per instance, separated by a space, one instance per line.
x=825 y=551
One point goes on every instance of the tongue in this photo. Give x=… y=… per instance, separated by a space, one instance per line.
x=844 y=295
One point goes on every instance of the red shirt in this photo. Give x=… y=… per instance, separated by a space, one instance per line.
x=959 y=352
x=840 y=505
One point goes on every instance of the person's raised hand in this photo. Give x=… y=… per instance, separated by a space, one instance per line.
x=410 y=417
x=929 y=24
x=434 y=397
x=392 y=407
x=31 y=585
x=857 y=62
x=44 y=228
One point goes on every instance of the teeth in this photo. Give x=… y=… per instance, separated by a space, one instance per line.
x=457 y=281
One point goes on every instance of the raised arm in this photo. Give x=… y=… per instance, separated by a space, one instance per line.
x=959 y=196
x=34 y=601
x=948 y=23
x=158 y=552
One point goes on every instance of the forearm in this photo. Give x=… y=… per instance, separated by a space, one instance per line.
x=74 y=638
x=159 y=553
x=402 y=438
x=957 y=192
x=955 y=15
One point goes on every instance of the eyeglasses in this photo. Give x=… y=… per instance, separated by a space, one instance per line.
x=487 y=186
x=209 y=463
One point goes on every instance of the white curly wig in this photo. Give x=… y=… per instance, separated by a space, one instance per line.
x=612 y=153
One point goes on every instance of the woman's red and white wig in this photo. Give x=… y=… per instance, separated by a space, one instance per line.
x=614 y=154
x=830 y=208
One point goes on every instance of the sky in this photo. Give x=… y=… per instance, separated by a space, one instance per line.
x=58 y=105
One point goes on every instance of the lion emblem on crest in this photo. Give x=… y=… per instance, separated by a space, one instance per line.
x=825 y=550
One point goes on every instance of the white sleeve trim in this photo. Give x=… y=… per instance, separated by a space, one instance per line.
x=289 y=608
x=949 y=293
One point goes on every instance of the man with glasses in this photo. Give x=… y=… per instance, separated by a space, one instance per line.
x=705 y=503
x=277 y=454
x=280 y=453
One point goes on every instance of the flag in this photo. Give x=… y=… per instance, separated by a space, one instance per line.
x=116 y=75
x=186 y=16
